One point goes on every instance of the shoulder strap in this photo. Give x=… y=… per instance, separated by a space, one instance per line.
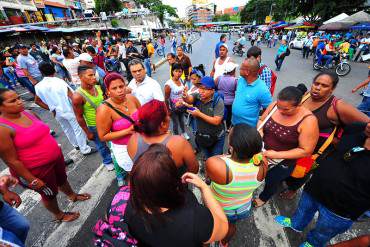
x=7 y=126
x=326 y=144
x=83 y=94
x=273 y=110
x=305 y=97
x=335 y=108
x=119 y=112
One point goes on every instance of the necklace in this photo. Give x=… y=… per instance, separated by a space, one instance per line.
x=124 y=104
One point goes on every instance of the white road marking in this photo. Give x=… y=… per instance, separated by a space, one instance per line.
x=31 y=198
x=268 y=228
x=96 y=185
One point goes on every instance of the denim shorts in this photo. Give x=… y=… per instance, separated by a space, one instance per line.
x=238 y=214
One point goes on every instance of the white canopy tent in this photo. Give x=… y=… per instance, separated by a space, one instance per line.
x=336 y=18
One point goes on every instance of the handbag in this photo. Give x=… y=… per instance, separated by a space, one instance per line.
x=205 y=140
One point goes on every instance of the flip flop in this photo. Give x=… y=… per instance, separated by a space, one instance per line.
x=81 y=197
x=68 y=217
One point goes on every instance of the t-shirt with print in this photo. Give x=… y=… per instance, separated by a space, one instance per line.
x=30 y=64
x=188 y=226
x=209 y=110
x=176 y=91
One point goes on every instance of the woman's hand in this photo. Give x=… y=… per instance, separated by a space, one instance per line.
x=8 y=181
x=271 y=154
x=193 y=179
x=12 y=199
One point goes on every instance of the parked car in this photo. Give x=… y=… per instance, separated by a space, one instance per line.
x=297 y=42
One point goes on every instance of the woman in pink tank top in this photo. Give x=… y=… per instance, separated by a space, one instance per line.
x=114 y=122
x=33 y=156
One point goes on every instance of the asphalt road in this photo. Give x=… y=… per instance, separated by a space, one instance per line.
x=87 y=175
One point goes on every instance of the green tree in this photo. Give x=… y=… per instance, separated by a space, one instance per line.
x=225 y=17
x=107 y=6
x=160 y=9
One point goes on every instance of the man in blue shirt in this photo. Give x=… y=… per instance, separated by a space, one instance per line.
x=217 y=50
x=251 y=94
x=322 y=56
x=281 y=54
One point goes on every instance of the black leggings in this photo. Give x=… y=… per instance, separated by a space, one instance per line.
x=229 y=109
x=275 y=176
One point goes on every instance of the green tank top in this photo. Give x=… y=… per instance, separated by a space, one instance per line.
x=90 y=110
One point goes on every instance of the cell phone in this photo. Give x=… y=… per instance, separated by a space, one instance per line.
x=191 y=108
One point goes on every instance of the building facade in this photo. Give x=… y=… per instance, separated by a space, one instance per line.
x=16 y=11
x=199 y=13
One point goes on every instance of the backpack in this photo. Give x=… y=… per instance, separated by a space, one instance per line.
x=273 y=78
x=216 y=97
x=287 y=53
x=113 y=230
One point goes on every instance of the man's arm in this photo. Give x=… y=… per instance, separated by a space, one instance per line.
x=78 y=102
x=213 y=69
x=361 y=85
x=28 y=75
x=39 y=102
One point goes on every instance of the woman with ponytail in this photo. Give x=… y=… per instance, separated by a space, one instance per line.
x=152 y=127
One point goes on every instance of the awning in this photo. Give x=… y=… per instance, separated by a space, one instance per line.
x=55 y=4
x=362 y=26
x=6 y=30
x=336 y=26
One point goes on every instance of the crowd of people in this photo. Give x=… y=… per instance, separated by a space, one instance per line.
x=302 y=139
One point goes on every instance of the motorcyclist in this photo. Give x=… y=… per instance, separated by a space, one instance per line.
x=322 y=55
x=242 y=41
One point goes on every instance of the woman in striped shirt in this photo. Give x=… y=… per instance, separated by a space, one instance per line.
x=234 y=178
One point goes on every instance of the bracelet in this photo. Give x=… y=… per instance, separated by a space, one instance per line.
x=34 y=182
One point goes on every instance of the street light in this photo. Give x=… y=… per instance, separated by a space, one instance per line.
x=272 y=4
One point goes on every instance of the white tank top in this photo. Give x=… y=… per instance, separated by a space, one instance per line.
x=220 y=68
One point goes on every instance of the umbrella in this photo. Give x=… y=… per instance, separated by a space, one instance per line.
x=360 y=16
x=36 y=28
x=361 y=26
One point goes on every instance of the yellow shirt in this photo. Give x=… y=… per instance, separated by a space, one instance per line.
x=150 y=48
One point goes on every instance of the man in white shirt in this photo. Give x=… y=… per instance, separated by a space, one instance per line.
x=53 y=94
x=143 y=87
x=71 y=63
x=218 y=68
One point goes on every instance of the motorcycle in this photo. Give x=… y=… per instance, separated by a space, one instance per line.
x=113 y=65
x=238 y=49
x=339 y=64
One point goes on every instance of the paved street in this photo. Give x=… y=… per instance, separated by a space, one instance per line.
x=87 y=174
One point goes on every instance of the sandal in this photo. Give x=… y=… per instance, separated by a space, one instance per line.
x=80 y=197
x=288 y=194
x=257 y=204
x=68 y=217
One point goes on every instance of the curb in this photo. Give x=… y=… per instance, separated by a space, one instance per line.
x=163 y=60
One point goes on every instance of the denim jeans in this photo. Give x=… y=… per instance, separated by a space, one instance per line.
x=178 y=122
x=364 y=106
x=279 y=61
x=15 y=226
x=10 y=75
x=27 y=83
x=148 y=67
x=327 y=58
x=216 y=149
x=101 y=146
x=328 y=224
x=5 y=82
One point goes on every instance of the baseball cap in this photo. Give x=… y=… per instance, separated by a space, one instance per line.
x=208 y=82
x=21 y=46
x=230 y=66
x=85 y=57
x=224 y=45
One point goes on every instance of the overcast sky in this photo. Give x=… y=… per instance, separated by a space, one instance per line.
x=221 y=4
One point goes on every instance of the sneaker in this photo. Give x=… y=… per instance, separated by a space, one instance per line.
x=110 y=166
x=285 y=222
x=186 y=136
x=306 y=244
x=93 y=150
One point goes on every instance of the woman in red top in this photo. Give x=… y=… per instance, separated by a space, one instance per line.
x=33 y=156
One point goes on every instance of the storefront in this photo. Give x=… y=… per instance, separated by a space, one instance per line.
x=55 y=11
